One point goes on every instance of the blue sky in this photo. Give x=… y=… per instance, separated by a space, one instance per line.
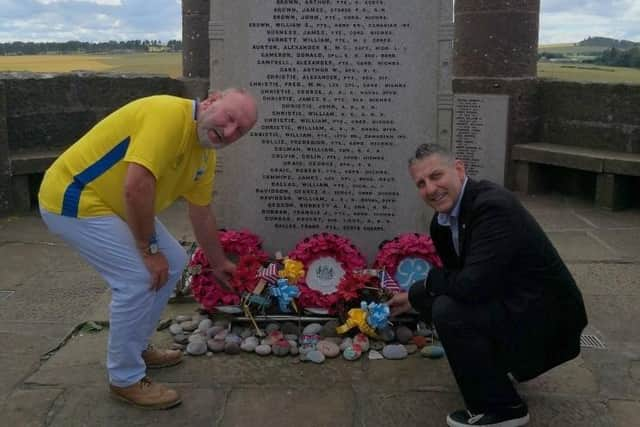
x=101 y=20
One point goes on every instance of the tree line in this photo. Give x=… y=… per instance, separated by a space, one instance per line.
x=73 y=46
x=620 y=58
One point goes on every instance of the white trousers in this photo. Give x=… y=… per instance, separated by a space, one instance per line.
x=108 y=245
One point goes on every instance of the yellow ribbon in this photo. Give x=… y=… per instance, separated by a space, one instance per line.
x=293 y=271
x=357 y=317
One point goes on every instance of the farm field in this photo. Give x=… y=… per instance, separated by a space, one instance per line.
x=162 y=63
x=170 y=64
x=588 y=73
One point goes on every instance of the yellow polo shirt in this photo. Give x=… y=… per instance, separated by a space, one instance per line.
x=157 y=132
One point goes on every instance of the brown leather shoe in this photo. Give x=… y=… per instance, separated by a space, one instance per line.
x=155 y=358
x=147 y=395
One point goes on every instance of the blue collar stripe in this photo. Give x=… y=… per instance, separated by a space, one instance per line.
x=72 y=194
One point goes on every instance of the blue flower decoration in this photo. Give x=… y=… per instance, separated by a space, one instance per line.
x=284 y=292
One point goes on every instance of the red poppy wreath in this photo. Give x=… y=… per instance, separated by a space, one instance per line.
x=327 y=260
x=246 y=248
x=407 y=258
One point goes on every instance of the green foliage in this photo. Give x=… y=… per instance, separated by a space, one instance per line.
x=620 y=58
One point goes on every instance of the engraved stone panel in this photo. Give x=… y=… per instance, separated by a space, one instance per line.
x=480 y=134
x=347 y=89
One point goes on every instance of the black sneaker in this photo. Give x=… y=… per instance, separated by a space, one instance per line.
x=514 y=416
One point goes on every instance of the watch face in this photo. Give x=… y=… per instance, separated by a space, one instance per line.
x=153 y=248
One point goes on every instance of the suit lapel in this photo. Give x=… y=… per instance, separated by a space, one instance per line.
x=463 y=216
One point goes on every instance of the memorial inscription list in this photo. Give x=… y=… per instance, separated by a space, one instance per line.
x=328 y=73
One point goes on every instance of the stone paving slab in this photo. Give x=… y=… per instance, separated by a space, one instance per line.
x=285 y=406
x=30 y=407
x=580 y=246
x=607 y=279
x=624 y=241
x=87 y=406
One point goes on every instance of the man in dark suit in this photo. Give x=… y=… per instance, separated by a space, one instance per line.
x=504 y=304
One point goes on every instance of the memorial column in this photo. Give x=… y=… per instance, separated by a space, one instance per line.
x=195 y=40
x=495 y=52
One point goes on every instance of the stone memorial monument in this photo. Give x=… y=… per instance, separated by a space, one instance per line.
x=347 y=89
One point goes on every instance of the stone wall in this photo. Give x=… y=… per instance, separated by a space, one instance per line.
x=593 y=115
x=48 y=112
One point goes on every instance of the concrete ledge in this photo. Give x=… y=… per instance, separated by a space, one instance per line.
x=615 y=171
x=592 y=160
x=32 y=161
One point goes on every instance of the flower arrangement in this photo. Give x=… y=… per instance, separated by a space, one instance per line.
x=345 y=257
x=207 y=290
x=392 y=252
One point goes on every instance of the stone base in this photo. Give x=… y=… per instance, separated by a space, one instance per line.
x=614 y=191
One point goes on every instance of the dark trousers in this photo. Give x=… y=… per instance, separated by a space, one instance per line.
x=476 y=341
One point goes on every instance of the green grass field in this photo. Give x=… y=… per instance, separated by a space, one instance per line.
x=170 y=64
x=570 y=49
x=588 y=73
x=161 y=63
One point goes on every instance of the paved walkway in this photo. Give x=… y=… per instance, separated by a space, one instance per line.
x=46 y=290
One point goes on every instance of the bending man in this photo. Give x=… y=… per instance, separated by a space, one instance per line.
x=102 y=196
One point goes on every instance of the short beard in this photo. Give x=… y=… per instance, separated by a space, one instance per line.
x=205 y=142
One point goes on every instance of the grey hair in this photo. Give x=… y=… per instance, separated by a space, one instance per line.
x=430 y=149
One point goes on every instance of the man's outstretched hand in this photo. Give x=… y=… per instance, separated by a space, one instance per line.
x=399 y=304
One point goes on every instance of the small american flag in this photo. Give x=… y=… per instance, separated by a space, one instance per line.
x=387 y=282
x=268 y=273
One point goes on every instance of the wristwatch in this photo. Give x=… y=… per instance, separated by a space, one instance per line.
x=153 y=248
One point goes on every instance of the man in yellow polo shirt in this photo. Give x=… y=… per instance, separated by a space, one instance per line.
x=102 y=196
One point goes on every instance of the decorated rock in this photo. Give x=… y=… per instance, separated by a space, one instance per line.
x=328 y=348
x=375 y=355
x=181 y=339
x=433 y=351
x=291 y=337
x=419 y=341
x=411 y=348
x=346 y=343
x=329 y=329
x=196 y=338
x=353 y=352
x=216 y=346
x=214 y=330
x=281 y=347
x=312 y=329
x=263 y=350
x=175 y=329
x=189 y=326
x=205 y=324
x=249 y=344
x=232 y=338
x=363 y=341
x=394 y=352
x=403 y=334
x=314 y=356
x=197 y=348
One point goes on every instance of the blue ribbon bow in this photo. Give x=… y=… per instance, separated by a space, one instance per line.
x=377 y=314
x=285 y=293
